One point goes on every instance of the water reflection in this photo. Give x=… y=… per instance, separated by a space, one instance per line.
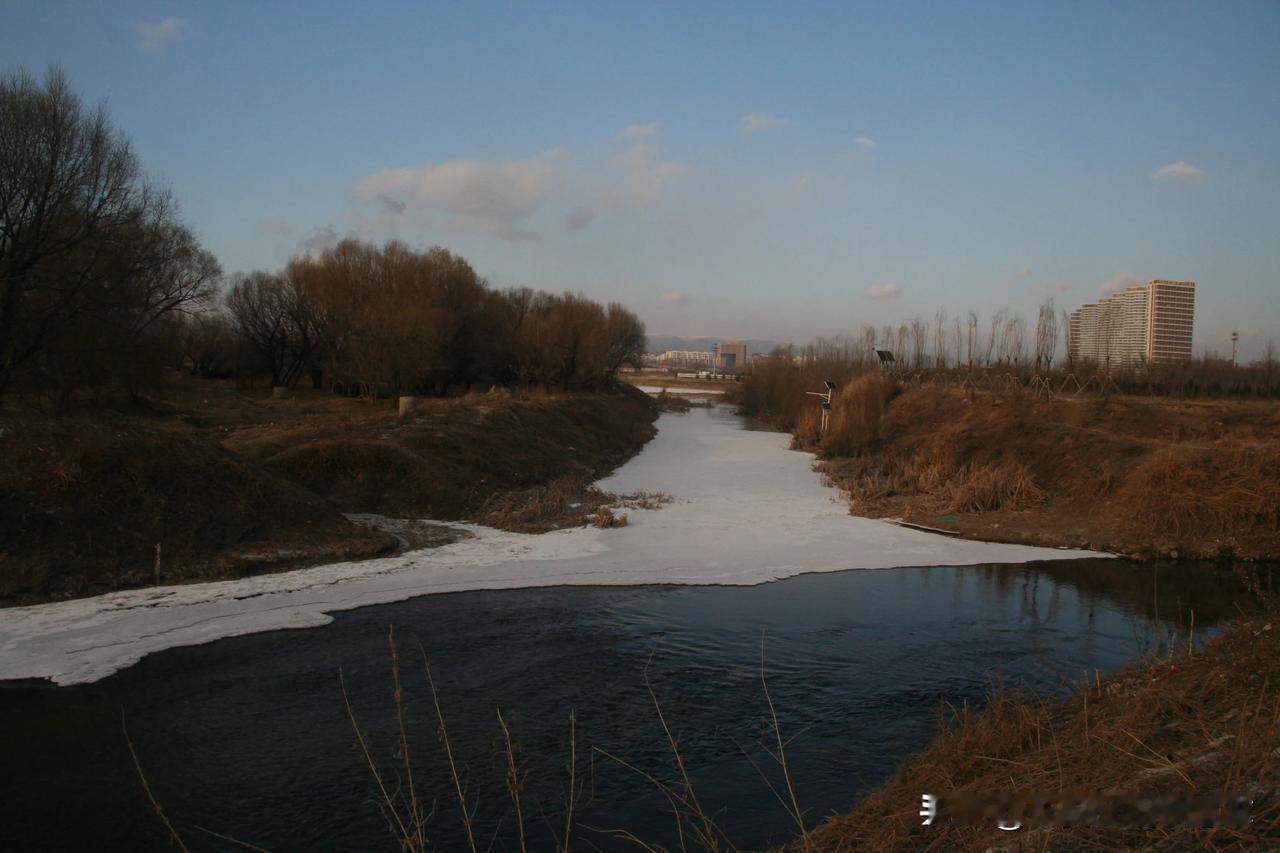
x=248 y=736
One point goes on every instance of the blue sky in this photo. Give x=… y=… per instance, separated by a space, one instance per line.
x=738 y=169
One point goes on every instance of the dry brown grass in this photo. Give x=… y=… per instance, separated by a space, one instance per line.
x=1217 y=487
x=1182 y=723
x=857 y=415
x=570 y=501
x=1138 y=476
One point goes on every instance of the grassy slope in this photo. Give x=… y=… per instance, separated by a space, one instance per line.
x=1138 y=476
x=1183 y=724
x=232 y=483
x=448 y=458
x=85 y=501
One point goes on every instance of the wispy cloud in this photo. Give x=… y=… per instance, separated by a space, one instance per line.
x=154 y=35
x=483 y=197
x=1055 y=286
x=673 y=298
x=1119 y=282
x=755 y=122
x=882 y=291
x=637 y=132
x=1021 y=271
x=640 y=177
x=1178 y=173
x=391 y=205
x=866 y=142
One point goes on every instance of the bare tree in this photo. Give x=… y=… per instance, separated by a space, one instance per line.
x=91 y=256
x=1046 y=335
x=1269 y=365
x=919 y=342
x=940 y=339
x=957 y=341
x=996 y=330
x=971 y=321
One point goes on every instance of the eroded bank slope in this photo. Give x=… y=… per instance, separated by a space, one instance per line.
x=230 y=483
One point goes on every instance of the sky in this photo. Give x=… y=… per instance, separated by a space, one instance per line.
x=741 y=169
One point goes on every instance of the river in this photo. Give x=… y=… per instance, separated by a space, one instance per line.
x=242 y=728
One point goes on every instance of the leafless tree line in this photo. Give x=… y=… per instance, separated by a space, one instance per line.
x=1005 y=343
x=408 y=322
x=101 y=286
x=951 y=341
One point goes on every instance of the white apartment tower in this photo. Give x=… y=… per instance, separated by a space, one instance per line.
x=1150 y=324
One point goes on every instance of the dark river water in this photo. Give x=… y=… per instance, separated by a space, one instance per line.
x=249 y=737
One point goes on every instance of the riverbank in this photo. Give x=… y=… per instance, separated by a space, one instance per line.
x=745 y=510
x=223 y=483
x=1136 y=476
x=1178 y=725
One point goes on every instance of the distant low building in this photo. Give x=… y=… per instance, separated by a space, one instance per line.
x=685 y=359
x=1151 y=324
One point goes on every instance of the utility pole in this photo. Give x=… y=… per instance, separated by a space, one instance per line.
x=1235 y=337
x=826 y=404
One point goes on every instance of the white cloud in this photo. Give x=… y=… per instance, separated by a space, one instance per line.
x=883 y=291
x=490 y=198
x=673 y=298
x=754 y=122
x=866 y=142
x=155 y=35
x=637 y=132
x=1178 y=173
x=1119 y=282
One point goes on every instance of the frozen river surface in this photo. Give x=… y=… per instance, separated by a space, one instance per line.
x=746 y=510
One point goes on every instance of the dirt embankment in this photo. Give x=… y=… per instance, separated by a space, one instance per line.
x=229 y=483
x=1144 y=477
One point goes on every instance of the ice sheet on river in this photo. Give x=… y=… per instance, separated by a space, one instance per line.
x=746 y=510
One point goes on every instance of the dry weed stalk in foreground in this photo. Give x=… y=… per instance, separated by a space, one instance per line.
x=693 y=824
x=514 y=783
x=174 y=838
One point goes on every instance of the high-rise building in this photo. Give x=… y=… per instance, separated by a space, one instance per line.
x=1150 y=324
x=731 y=356
x=1169 y=320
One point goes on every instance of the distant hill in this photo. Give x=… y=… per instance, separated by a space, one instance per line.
x=662 y=343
